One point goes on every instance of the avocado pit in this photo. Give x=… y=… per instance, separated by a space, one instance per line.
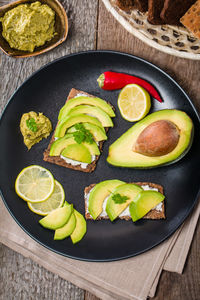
x=159 y=138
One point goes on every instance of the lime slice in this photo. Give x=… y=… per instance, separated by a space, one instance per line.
x=134 y=102
x=56 y=200
x=34 y=184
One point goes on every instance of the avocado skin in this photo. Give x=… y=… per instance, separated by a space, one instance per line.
x=131 y=159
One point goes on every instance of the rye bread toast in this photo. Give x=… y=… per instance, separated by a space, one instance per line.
x=154 y=9
x=141 y=5
x=173 y=10
x=125 y=5
x=61 y=162
x=153 y=214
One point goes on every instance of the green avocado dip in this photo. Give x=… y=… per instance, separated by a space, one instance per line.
x=28 y=26
x=34 y=127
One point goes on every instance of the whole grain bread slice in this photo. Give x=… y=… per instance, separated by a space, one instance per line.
x=61 y=162
x=152 y=214
x=125 y=5
x=154 y=9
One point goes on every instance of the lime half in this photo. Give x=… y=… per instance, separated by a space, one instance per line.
x=134 y=102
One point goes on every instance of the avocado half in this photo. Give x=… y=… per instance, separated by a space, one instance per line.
x=122 y=154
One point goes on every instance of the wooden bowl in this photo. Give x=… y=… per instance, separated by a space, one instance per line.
x=61 y=27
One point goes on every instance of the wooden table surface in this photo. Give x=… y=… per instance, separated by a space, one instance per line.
x=92 y=27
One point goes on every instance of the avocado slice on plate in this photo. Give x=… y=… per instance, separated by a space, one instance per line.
x=57 y=218
x=60 y=144
x=96 y=131
x=93 y=111
x=67 y=229
x=69 y=121
x=85 y=100
x=143 y=203
x=77 y=152
x=99 y=193
x=173 y=130
x=80 y=228
x=128 y=190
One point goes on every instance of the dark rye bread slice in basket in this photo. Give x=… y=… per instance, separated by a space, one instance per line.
x=154 y=9
x=152 y=214
x=60 y=161
x=173 y=10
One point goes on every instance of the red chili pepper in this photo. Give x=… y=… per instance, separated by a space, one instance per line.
x=114 y=81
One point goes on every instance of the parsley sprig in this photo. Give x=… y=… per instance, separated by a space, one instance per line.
x=119 y=199
x=32 y=125
x=82 y=135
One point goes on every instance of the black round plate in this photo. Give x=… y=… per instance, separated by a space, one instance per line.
x=46 y=91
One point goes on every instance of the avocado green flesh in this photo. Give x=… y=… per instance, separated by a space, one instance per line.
x=98 y=194
x=93 y=148
x=66 y=230
x=80 y=228
x=60 y=144
x=97 y=132
x=57 y=218
x=143 y=203
x=96 y=112
x=77 y=152
x=69 y=121
x=130 y=190
x=121 y=151
x=85 y=100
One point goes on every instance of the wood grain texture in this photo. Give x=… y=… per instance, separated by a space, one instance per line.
x=21 y=278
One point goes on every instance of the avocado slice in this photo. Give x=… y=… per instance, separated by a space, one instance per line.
x=99 y=193
x=69 y=121
x=85 y=100
x=94 y=111
x=77 y=152
x=60 y=144
x=129 y=190
x=67 y=229
x=143 y=203
x=57 y=218
x=80 y=228
x=121 y=152
x=96 y=131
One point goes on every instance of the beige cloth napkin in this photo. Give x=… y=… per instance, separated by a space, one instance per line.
x=134 y=278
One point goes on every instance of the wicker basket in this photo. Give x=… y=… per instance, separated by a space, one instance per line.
x=173 y=40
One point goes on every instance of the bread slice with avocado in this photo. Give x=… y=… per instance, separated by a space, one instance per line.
x=77 y=111
x=157 y=213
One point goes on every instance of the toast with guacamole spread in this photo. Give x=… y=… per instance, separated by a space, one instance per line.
x=111 y=199
x=82 y=128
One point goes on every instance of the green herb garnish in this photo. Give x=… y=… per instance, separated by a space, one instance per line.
x=119 y=199
x=82 y=135
x=32 y=125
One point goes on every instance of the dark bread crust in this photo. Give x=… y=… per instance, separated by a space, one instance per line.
x=141 y=5
x=173 y=10
x=152 y=214
x=61 y=162
x=154 y=10
x=125 y=5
